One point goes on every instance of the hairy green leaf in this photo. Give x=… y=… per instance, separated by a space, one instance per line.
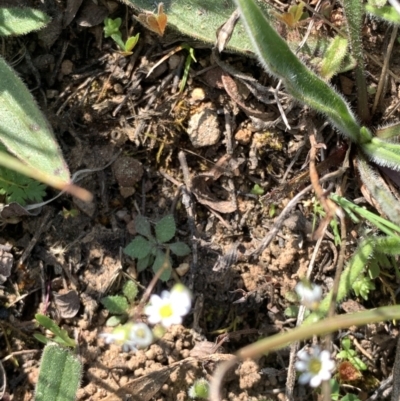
x=49 y=324
x=138 y=248
x=159 y=262
x=23 y=129
x=142 y=226
x=19 y=21
x=115 y=304
x=303 y=84
x=130 y=290
x=179 y=248
x=144 y=262
x=385 y=13
x=199 y=19
x=59 y=375
x=165 y=228
x=334 y=57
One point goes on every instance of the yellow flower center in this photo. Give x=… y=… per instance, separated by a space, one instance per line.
x=315 y=366
x=166 y=311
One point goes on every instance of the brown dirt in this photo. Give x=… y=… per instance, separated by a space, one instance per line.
x=101 y=107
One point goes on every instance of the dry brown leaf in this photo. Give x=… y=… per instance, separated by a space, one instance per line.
x=91 y=14
x=68 y=304
x=70 y=11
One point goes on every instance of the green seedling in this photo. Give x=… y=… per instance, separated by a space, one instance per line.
x=59 y=375
x=257 y=190
x=60 y=335
x=111 y=29
x=149 y=250
x=294 y=15
x=69 y=213
x=119 y=305
x=188 y=62
x=24 y=130
x=349 y=354
x=319 y=212
x=200 y=389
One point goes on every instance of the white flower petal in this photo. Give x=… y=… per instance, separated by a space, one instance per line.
x=301 y=366
x=305 y=378
x=315 y=381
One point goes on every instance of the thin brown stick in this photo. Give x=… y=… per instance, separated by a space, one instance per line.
x=384 y=74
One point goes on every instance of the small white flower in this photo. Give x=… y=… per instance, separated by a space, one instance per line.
x=130 y=336
x=310 y=294
x=182 y=295
x=315 y=366
x=122 y=337
x=141 y=335
x=169 y=308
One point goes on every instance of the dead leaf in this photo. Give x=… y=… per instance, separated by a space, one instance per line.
x=200 y=188
x=68 y=304
x=91 y=14
x=201 y=183
x=70 y=11
x=224 y=32
x=12 y=212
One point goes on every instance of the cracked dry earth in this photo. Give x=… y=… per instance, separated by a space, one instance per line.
x=153 y=151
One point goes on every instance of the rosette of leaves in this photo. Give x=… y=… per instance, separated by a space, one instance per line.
x=149 y=249
x=118 y=305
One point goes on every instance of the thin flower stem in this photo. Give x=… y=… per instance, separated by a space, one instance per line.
x=151 y=286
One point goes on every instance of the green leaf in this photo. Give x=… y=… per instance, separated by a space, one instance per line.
x=49 y=324
x=138 y=248
x=19 y=188
x=118 y=40
x=334 y=57
x=131 y=43
x=358 y=363
x=179 y=248
x=390 y=131
x=113 y=321
x=59 y=375
x=385 y=13
x=291 y=311
x=111 y=27
x=115 y=304
x=159 y=261
x=19 y=21
x=199 y=19
x=143 y=263
x=142 y=226
x=346 y=343
x=40 y=337
x=374 y=269
x=165 y=228
x=23 y=129
x=303 y=84
x=130 y=290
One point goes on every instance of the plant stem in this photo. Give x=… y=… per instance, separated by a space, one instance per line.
x=354 y=12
